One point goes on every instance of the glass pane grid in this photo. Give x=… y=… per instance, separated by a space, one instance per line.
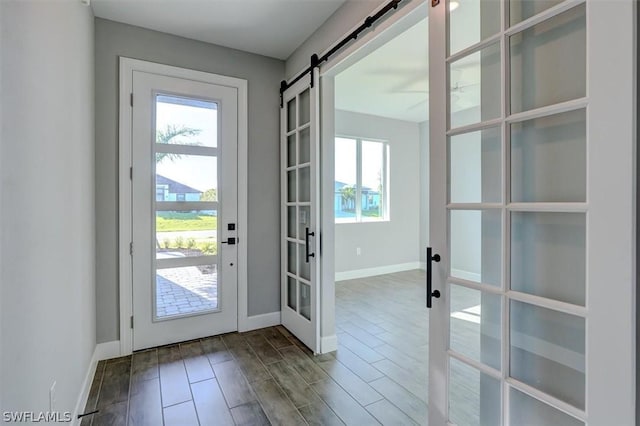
x=548 y=255
x=474 y=361
x=547 y=352
x=475 y=324
x=474 y=48
x=474 y=167
x=543 y=410
x=551 y=304
x=475 y=245
x=475 y=397
x=474 y=82
x=546 y=9
x=294 y=240
x=304 y=281
x=539 y=51
x=542 y=303
x=542 y=398
x=485 y=369
x=292 y=119
x=557 y=409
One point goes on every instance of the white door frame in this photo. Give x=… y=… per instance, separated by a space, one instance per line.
x=397 y=22
x=127 y=67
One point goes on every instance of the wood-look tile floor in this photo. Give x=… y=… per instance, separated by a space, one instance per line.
x=378 y=375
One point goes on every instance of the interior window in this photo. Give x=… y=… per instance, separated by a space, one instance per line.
x=361 y=170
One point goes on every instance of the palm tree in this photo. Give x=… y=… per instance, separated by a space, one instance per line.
x=168 y=135
x=209 y=195
x=348 y=197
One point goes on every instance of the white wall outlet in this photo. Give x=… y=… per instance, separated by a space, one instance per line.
x=52 y=397
x=358 y=251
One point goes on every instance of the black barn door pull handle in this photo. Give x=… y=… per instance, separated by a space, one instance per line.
x=306 y=244
x=435 y=293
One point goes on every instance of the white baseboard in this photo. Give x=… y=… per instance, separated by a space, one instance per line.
x=107 y=350
x=102 y=351
x=84 y=391
x=423 y=266
x=380 y=270
x=328 y=344
x=255 y=322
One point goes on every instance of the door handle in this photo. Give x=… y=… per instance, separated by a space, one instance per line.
x=231 y=241
x=306 y=244
x=435 y=293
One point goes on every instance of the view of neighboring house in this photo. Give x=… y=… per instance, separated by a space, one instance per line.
x=345 y=199
x=170 y=190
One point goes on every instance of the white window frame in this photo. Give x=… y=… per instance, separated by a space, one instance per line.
x=385 y=181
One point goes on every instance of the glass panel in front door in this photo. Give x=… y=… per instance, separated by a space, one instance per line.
x=186 y=206
x=516 y=279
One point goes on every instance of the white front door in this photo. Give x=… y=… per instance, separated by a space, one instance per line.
x=532 y=200
x=300 y=243
x=184 y=209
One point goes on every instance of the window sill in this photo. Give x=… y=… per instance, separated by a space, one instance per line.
x=354 y=222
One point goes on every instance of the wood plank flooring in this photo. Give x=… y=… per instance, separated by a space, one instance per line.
x=267 y=377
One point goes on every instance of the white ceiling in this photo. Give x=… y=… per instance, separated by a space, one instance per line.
x=392 y=81
x=272 y=28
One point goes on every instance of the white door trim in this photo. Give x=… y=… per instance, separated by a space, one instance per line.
x=127 y=66
x=407 y=15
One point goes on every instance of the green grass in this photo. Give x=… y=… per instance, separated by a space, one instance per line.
x=371 y=213
x=187 y=221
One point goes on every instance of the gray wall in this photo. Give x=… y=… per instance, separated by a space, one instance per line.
x=350 y=14
x=2 y=380
x=47 y=199
x=424 y=189
x=638 y=229
x=391 y=242
x=263 y=74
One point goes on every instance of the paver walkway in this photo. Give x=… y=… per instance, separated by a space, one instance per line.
x=186 y=290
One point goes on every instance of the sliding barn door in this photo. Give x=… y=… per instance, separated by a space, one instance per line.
x=532 y=197
x=300 y=242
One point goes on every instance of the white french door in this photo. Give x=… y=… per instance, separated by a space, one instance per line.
x=300 y=242
x=184 y=209
x=532 y=196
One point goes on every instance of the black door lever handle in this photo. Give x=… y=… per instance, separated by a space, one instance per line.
x=435 y=293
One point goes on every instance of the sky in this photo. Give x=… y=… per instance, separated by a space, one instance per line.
x=345 y=165
x=199 y=172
